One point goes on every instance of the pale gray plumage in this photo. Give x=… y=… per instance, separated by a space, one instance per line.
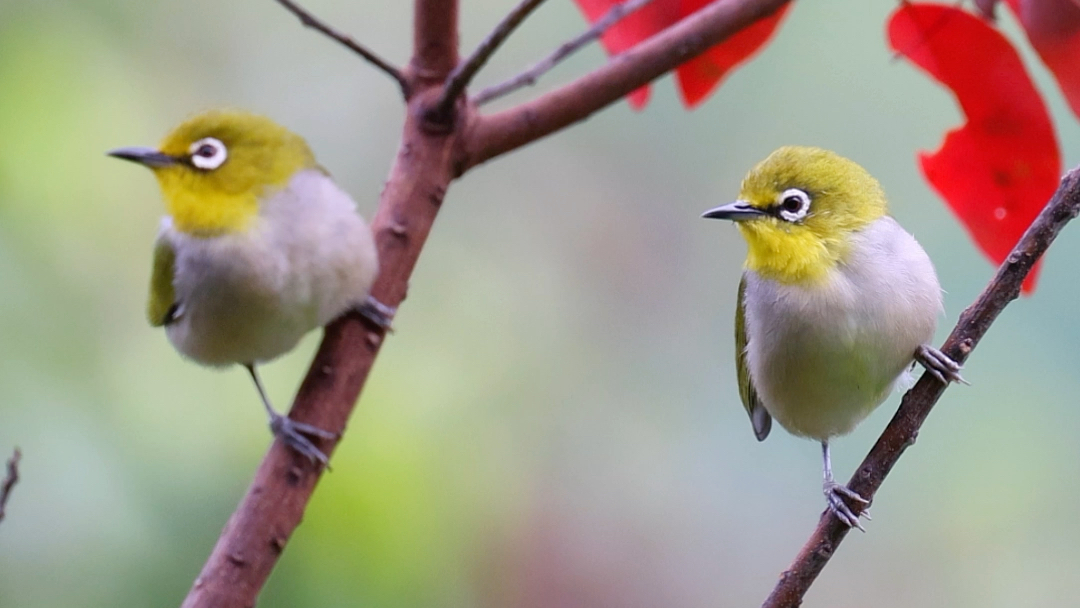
x=822 y=357
x=836 y=302
x=248 y=297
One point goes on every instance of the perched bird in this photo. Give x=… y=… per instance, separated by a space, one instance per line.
x=835 y=303
x=258 y=248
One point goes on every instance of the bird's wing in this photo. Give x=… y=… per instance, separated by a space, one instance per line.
x=162 y=307
x=759 y=417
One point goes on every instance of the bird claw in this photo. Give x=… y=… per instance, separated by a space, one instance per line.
x=378 y=313
x=835 y=495
x=940 y=365
x=295 y=435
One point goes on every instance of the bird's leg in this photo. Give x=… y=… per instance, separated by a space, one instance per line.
x=289 y=430
x=940 y=365
x=835 y=494
x=378 y=313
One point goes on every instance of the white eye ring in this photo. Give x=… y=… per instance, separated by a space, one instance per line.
x=208 y=153
x=793 y=205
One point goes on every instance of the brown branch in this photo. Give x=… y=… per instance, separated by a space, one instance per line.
x=531 y=75
x=464 y=73
x=10 y=480
x=258 y=530
x=429 y=157
x=497 y=134
x=917 y=403
x=435 y=40
x=313 y=22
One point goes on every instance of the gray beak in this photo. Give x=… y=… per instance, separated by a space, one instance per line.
x=144 y=156
x=736 y=212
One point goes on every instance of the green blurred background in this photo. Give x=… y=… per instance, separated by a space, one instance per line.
x=555 y=421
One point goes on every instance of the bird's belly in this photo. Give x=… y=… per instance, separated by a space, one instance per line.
x=238 y=304
x=249 y=296
x=822 y=360
x=223 y=329
x=820 y=385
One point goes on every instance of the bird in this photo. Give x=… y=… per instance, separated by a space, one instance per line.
x=836 y=302
x=259 y=246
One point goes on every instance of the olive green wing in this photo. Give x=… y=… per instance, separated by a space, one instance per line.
x=759 y=417
x=162 y=307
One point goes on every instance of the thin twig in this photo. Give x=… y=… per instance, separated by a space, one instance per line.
x=494 y=134
x=10 y=480
x=426 y=163
x=312 y=21
x=917 y=403
x=530 y=76
x=257 y=532
x=465 y=71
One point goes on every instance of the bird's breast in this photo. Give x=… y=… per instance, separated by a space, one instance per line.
x=823 y=355
x=250 y=296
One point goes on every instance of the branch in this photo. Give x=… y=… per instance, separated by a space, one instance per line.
x=256 y=533
x=10 y=480
x=531 y=75
x=427 y=160
x=464 y=72
x=497 y=134
x=435 y=40
x=916 y=404
x=312 y=21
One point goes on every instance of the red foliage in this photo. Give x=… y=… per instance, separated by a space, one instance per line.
x=697 y=77
x=700 y=76
x=1053 y=28
x=998 y=170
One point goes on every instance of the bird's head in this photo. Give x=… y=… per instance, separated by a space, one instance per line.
x=798 y=209
x=215 y=167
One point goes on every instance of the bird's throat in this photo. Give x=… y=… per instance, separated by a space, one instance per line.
x=795 y=257
x=209 y=212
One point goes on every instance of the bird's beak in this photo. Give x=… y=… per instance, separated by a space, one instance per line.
x=736 y=212
x=144 y=156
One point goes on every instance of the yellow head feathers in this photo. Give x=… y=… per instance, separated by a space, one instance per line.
x=797 y=210
x=214 y=167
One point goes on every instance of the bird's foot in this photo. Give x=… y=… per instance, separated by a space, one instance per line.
x=835 y=495
x=378 y=313
x=940 y=365
x=296 y=436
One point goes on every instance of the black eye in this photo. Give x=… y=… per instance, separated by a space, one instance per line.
x=793 y=205
x=208 y=153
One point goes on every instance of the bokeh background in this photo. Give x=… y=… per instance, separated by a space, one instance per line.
x=555 y=421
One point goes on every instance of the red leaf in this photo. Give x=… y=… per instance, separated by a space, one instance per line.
x=998 y=170
x=632 y=29
x=1053 y=28
x=700 y=76
x=697 y=77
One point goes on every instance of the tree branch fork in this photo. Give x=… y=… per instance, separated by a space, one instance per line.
x=444 y=136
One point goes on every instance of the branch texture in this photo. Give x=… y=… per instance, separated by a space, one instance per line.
x=313 y=22
x=430 y=155
x=256 y=533
x=531 y=75
x=464 y=73
x=10 y=479
x=435 y=41
x=917 y=403
x=499 y=133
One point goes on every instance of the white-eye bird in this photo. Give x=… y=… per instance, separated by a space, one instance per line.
x=835 y=303
x=258 y=248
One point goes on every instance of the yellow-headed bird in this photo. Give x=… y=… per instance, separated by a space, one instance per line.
x=836 y=301
x=259 y=247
